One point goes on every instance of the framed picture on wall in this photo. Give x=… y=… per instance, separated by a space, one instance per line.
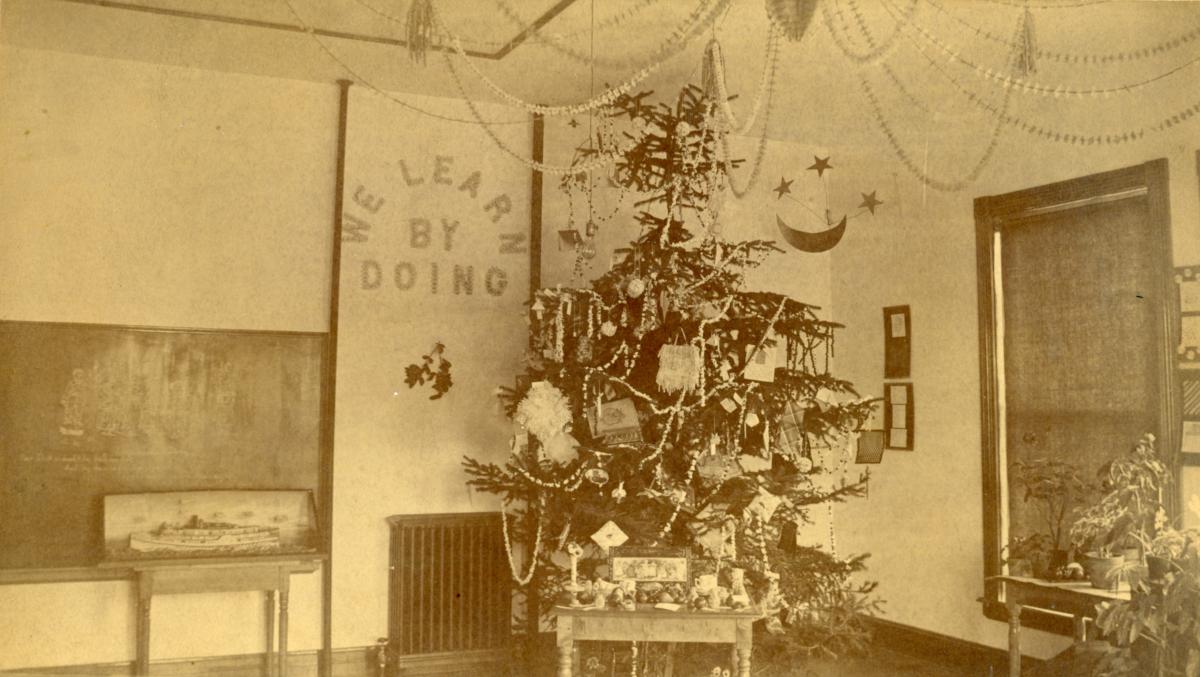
x=898 y=415
x=897 y=341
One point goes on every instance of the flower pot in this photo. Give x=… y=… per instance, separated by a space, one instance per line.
x=1158 y=567
x=1047 y=565
x=1100 y=570
x=1019 y=566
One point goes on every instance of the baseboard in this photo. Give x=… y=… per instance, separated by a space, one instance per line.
x=489 y=662
x=972 y=657
x=351 y=662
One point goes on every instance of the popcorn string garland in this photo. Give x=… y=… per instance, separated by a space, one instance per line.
x=537 y=544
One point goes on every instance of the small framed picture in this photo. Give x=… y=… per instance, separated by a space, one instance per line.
x=897 y=341
x=870 y=446
x=650 y=564
x=898 y=415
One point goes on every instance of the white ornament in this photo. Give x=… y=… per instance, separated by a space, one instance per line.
x=609 y=536
x=608 y=328
x=635 y=287
x=561 y=449
x=619 y=493
x=544 y=411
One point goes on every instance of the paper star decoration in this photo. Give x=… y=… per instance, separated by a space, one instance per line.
x=573 y=122
x=820 y=164
x=870 y=201
x=784 y=188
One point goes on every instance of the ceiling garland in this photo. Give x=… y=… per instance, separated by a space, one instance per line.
x=854 y=38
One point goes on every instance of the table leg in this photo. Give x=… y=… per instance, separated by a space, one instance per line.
x=270 y=633
x=283 y=627
x=1014 y=638
x=145 y=593
x=566 y=646
x=743 y=661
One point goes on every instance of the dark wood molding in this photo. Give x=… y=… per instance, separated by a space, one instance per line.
x=514 y=42
x=1149 y=181
x=972 y=658
x=459 y=663
x=329 y=378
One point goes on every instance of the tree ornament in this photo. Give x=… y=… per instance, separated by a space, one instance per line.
x=793 y=16
x=619 y=493
x=583 y=350
x=420 y=29
x=804 y=464
x=608 y=328
x=635 y=287
x=597 y=476
x=710 y=311
x=678 y=368
x=609 y=536
x=545 y=411
x=561 y=448
x=587 y=249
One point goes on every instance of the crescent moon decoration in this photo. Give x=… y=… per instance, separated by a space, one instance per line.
x=813 y=243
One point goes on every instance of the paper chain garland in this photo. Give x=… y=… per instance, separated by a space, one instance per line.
x=1021 y=84
x=907 y=161
x=1158 y=49
x=364 y=82
x=1057 y=135
x=697 y=22
x=876 y=53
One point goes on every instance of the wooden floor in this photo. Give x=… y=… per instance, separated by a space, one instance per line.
x=698 y=660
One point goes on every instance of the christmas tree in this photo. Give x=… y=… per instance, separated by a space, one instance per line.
x=667 y=405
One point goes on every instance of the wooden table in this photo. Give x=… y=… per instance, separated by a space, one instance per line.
x=176 y=578
x=654 y=625
x=1076 y=598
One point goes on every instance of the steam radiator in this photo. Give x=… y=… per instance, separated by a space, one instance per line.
x=449 y=596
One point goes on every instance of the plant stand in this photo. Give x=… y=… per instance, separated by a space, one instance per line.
x=1077 y=598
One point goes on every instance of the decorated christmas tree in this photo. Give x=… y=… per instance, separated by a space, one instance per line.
x=667 y=405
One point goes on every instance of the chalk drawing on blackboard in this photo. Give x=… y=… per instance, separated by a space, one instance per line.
x=165 y=525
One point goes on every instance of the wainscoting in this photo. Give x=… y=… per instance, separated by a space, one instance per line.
x=353 y=662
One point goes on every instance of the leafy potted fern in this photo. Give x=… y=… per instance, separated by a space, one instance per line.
x=1056 y=490
x=1132 y=486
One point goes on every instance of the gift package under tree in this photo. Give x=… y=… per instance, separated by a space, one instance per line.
x=666 y=405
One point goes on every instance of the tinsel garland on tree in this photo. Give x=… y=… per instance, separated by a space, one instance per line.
x=698 y=413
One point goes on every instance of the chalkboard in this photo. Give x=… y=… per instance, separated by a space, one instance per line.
x=89 y=410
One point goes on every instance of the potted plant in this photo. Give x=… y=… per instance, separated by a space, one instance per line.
x=1166 y=546
x=1132 y=486
x=1056 y=490
x=1157 y=631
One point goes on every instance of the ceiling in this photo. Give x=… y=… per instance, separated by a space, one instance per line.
x=920 y=68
